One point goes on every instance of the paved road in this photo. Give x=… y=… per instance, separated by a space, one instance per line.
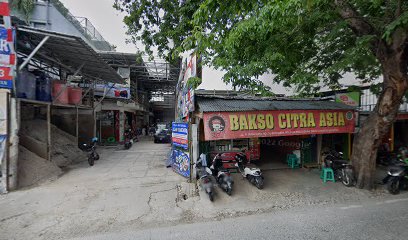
x=124 y=188
x=374 y=220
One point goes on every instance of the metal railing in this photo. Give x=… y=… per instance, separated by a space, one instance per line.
x=90 y=29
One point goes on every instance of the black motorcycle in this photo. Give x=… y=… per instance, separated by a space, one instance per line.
x=397 y=177
x=223 y=176
x=91 y=148
x=128 y=139
x=204 y=176
x=343 y=170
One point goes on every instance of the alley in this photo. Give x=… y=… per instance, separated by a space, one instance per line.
x=119 y=190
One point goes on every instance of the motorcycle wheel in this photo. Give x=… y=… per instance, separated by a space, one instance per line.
x=393 y=186
x=211 y=196
x=91 y=161
x=347 y=179
x=96 y=156
x=259 y=182
x=229 y=191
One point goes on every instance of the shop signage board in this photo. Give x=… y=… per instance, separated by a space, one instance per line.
x=253 y=124
x=181 y=162
x=112 y=90
x=6 y=78
x=350 y=98
x=180 y=135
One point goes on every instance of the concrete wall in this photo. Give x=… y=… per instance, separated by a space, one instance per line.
x=65 y=119
x=48 y=17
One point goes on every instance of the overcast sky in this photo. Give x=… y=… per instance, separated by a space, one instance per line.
x=109 y=23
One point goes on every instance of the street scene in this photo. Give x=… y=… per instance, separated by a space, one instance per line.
x=203 y=119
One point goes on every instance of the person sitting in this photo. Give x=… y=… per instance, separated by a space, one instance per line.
x=217 y=164
x=241 y=159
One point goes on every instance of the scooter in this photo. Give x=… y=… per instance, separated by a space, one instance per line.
x=397 y=177
x=128 y=139
x=343 y=170
x=249 y=171
x=223 y=176
x=204 y=176
x=91 y=148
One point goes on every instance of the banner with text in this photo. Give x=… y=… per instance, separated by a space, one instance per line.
x=180 y=135
x=232 y=125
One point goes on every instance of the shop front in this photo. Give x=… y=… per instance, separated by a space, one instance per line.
x=269 y=130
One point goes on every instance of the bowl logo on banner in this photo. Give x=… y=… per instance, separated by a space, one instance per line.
x=217 y=125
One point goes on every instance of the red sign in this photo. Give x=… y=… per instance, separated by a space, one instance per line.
x=233 y=125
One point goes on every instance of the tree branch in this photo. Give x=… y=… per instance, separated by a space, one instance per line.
x=398 y=11
x=357 y=23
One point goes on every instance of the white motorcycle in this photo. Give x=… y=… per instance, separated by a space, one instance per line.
x=250 y=171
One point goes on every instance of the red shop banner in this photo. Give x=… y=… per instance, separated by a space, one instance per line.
x=252 y=124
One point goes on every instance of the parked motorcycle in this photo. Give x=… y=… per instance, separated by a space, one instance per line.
x=223 y=176
x=128 y=139
x=343 y=170
x=249 y=171
x=91 y=148
x=204 y=176
x=397 y=177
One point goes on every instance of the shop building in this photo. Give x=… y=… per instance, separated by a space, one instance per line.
x=270 y=128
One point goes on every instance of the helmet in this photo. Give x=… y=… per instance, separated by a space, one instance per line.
x=94 y=139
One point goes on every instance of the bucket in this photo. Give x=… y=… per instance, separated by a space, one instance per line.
x=59 y=94
x=75 y=95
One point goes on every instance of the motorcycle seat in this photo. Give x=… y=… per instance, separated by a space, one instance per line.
x=251 y=166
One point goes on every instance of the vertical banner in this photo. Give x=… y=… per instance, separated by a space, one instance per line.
x=7 y=53
x=180 y=149
x=181 y=162
x=180 y=135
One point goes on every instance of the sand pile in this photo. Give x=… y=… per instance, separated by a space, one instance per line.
x=64 y=150
x=33 y=169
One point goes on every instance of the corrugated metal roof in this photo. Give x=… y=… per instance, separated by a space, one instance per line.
x=222 y=104
x=70 y=52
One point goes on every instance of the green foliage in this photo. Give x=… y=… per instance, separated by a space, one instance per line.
x=305 y=44
x=194 y=82
x=26 y=7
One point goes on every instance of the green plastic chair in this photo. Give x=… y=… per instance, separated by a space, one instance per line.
x=327 y=174
x=292 y=161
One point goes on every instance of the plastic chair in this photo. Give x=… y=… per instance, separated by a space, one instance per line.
x=292 y=161
x=327 y=174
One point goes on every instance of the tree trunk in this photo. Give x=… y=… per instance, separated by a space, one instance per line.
x=379 y=123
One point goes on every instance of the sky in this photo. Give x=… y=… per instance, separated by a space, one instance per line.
x=108 y=21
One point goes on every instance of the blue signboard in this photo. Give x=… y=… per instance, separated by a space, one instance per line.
x=180 y=135
x=181 y=162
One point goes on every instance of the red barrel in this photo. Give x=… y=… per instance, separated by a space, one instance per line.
x=75 y=95
x=59 y=92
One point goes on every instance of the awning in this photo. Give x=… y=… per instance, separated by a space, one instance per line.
x=71 y=53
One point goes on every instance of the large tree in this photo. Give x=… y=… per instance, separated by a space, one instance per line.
x=306 y=44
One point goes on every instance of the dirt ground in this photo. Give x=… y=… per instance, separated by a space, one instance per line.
x=132 y=189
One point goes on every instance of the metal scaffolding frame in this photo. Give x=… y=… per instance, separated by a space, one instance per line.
x=153 y=76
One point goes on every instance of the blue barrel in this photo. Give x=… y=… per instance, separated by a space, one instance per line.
x=26 y=85
x=43 y=88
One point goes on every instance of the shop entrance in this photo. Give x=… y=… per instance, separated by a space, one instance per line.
x=275 y=150
x=400 y=134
